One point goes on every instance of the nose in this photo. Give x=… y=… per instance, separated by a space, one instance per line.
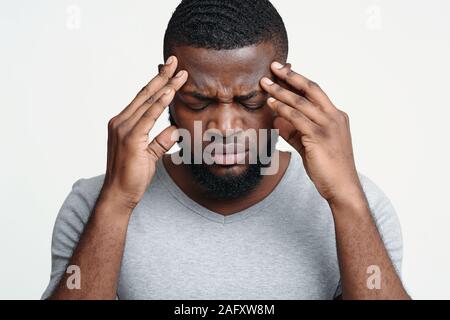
x=226 y=118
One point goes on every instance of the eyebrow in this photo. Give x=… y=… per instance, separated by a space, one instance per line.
x=244 y=97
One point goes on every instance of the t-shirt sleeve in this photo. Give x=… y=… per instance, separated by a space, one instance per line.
x=69 y=225
x=387 y=222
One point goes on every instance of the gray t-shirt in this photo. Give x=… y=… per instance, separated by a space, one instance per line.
x=280 y=248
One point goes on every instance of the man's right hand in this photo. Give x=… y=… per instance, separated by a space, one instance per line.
x=131 y=165
x=132 y=156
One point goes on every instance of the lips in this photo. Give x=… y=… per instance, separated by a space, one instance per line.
x=229 y=158
x=229 y=154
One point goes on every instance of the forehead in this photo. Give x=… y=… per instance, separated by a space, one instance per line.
x=214 y=72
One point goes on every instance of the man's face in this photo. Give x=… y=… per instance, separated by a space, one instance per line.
x=223 y=93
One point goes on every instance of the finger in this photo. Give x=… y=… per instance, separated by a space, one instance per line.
x=311 y=89
x=294 y=100
x=147 y=107
x=162 y=142
x=298 y=120
x=159 y=81
x=176 y=83
x=289 y=133
x=165 y=73
x=148 y=119
x=110 y=147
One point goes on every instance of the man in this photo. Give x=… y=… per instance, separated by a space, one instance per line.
x=154 y=227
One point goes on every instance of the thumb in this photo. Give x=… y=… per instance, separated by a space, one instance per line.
x=289 y=133
x=163 y=142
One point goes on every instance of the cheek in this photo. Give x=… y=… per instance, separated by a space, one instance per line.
x=183 y=117
x=262 y=122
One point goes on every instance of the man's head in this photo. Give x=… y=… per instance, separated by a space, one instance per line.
x=226 y=46
x=225 y=25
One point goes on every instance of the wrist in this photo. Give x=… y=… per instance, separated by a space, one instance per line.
x=116 y=200
x=352 y=198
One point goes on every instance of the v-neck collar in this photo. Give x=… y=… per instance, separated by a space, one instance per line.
x=180 y=196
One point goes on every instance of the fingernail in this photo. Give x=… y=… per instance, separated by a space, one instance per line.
x=179 y=74
x=271 y=100
x=267 y=81
x=277 y=65
x=169 y=60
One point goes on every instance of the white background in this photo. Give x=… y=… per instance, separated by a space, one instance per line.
x=67 y=67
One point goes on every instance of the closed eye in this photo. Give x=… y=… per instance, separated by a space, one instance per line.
x=202 y=106
x=197 y=107
x=198 y=104
x=253 y=106
x=251 y=102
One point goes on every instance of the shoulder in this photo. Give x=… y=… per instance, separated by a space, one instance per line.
x=70 y=222
x=89 y=188
x=76 y=209
x=85 y=192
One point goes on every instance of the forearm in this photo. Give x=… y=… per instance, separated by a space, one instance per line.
x=359 y=246
x=99 y=251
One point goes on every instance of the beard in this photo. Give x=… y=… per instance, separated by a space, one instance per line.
x=230 y=185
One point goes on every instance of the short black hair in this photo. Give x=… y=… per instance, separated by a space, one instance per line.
x=225 y=25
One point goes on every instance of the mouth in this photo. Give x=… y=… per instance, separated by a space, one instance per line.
x=230 y=158
x=229 y=154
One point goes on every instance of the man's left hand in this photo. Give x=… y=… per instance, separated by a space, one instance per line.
x=320 y=132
